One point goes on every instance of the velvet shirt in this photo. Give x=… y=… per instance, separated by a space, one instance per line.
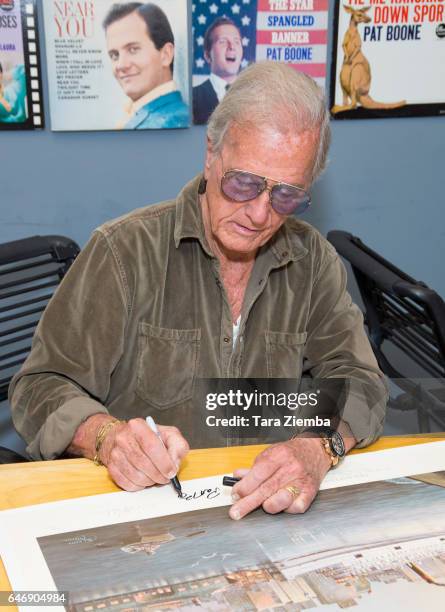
x=143 y=313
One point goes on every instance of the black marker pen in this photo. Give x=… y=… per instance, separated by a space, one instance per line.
x=175 y=482
x=230 y=481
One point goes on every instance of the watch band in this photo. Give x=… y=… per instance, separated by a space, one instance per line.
x=333 y=444
x=325 y=443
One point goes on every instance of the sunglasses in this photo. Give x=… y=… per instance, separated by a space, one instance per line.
x=285 y=199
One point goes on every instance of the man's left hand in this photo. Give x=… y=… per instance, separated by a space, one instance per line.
x=301 y=463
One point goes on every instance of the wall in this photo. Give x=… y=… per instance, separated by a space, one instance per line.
x=384 y=183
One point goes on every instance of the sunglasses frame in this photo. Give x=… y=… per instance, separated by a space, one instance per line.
x=266 y=180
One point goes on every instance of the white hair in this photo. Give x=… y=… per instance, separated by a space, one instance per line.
x=275 y=95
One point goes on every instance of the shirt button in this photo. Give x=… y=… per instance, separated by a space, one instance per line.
x=284 y=253
x=226 y=339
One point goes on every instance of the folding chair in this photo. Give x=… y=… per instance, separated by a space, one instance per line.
x=30 y=271
x=407 y=314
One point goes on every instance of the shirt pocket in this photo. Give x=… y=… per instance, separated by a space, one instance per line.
x=284 y=354
x=167 y=362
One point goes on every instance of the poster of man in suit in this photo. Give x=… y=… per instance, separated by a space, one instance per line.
x=230 y=34
x=224 y=43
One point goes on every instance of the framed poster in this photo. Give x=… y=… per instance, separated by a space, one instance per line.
x=231 y=34
x=388 y=59
x=374 y=546
x=117 y=66
x=21 y=105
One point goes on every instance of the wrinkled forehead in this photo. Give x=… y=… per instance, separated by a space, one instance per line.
x=225 y=31
x=283 y=154
x=252 y=136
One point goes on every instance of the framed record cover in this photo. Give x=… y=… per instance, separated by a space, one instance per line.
x=388 y=59
x=117 y=65
x=21 y=105
x=231 y=34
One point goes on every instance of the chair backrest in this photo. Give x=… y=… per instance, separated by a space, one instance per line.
x=398 y=308
x=30 y=270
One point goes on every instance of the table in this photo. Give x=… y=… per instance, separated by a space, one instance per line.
x=23 y=484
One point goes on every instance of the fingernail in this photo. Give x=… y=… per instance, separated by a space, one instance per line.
x=235 y=515
x=235 y=497
x=171 y=475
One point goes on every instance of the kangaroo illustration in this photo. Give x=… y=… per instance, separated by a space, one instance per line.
x=355 y=74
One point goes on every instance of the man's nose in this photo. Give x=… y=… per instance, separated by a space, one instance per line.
x=122 y=63
x=258 y=210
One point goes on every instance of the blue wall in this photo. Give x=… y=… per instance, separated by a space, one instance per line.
x=384 y=183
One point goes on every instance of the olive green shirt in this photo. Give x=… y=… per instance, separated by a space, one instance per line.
x=142 y=313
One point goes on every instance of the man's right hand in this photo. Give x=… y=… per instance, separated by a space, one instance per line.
x=134 y=456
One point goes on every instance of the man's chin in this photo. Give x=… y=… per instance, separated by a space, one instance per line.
x=133 y=95
x=232 y=70
x=241 y=245
x=228 y=71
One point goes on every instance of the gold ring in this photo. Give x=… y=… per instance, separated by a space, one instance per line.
x=293 y=491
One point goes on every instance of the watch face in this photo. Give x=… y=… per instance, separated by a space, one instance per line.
x=337 y=444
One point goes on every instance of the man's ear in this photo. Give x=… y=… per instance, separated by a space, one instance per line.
x=207 y=57
x=209 y=157
x=167 y=54
x=348 y=9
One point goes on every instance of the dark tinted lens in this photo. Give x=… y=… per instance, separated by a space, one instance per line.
x=288 y=200
x=241 y=186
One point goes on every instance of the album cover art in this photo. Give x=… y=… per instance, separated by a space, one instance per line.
x=114 y=66
x=21 y=105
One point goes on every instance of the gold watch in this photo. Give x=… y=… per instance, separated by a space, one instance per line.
x=332 y=443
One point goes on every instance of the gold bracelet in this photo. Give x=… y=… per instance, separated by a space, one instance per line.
x=102 y=433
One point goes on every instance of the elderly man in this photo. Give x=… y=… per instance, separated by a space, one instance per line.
x=156 y=298
x=223 y=51
x=140 y=45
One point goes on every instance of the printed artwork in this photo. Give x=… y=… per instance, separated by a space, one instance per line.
x=117 y=66
x=20 y=87
x=363 y=547
x=231 y=34
x=389 y=59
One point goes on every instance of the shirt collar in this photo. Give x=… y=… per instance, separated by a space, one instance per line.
x=161 y=90
x=285 y=246
x=219 y=85
x=189 y=223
